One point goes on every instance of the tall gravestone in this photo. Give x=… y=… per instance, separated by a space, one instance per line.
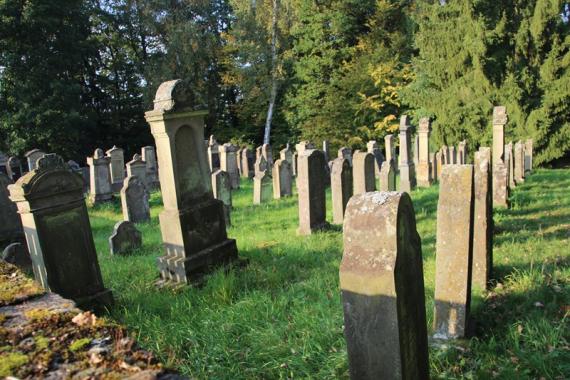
x=452 y=155
x=482 y=219
x=282 y=179
x=192 y=223
x=372 y=147
x=148 y=155
x=454 y=252
x=14 y=168
x=500 y=119
x=389 y=148
x=510 y=162
x=499 y=159
x=528 y=156
x=51 y=204
x=424 y=175
x=341 y=187
x=222 y=190
x=294 y=165
x=32 y=157
x=445 y=154
x=260 y=165
x=519 y=162
x=213 y=154
x=388 y=176
x=3 y=163
x=302 y=146
x=228 y=163
x=363 y=172
x=116 y=167
x=134 y=200
x=262 y=186
x=10 y=223
x=382 y=286
x=100 y=177
x=438 y=163
x=311 y=189
x=137 y=168
x=286 y=154
x=407 y=168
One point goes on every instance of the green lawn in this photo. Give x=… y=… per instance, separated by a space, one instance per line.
x=281 y=317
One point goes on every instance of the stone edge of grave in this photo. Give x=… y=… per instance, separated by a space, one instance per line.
x=38 y=327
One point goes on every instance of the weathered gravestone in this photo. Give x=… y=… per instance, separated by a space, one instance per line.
x=482 y=219
x=445 y=153
x=267 y=153
x=14 y=168
x=18 y=255
x=388 y=176
x=341 y=187
x=100 y=178
x=228 y=163
x=192 y=223
x=282 y=179
x=433 y=166
x=32 y=157
x=311 y=188
x=326 y=150
x=382 y=285
x=372 y=147
x=519 y=162
x=10 y=223
x=125 y=238
x=294 y=165
x=260 y=165
x=3 y=163
x=134 y=200
x=345 y=153
x=247 y=170
x=452 y=155
x=510 y=162
x=222 y=190
x=528 y=156
x=500 y=119
x=58 y=233
x=407 y=168
x=137 y=168
x=363 y=172
x=148 y=155
x=213 y=154
x=454 y=252
x=462 y=152
x=239 y=161
x=262 y=186
x=117 y=167
x=416 y=150
x=287 y=154
x=500 y=185
x=438 y=164
x=424 y=175
x=389 y=148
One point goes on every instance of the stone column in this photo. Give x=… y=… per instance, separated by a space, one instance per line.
x=100 y=178
x=388 y=176
x=148 y=155
x=58 y=232
x=373 y=148
x=192 y=223
x=407 y=169
x=282 y=179
x=222 y=190
x=134 y=200
x=32 y=157
x=363 y=173
x=341 y=187
x=500 y=119
x=519 y=162
x=454 y=252
x=483 y=220
x=382 y=286
x=424 y=167
x=528 y=156
x=117 y=166
x=137 y=168
x=311 y=188
x=228 y=163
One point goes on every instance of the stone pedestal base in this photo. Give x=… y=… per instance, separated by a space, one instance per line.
x=424 y=174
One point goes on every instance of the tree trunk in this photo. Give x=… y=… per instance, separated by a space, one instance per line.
x=273 y=96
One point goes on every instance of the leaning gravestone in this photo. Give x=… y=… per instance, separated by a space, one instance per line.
x=222 y=190
x=454 y=252
x=134 y=200
x=262 y=186
x=10 y=223
x=117 y=167
x=382 y=286
x=482 y=220
x=341 y=188
x=311 y=188
x=407 y=168
x=18 y=255
x=58 y=233
x=32 y=157
x=100 y=178
x=388 y=176
x=282 y=179
x=125 y=238
x=363 y=172
x=192 y=223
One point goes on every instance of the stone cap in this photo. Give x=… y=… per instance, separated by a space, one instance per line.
x=500 y=115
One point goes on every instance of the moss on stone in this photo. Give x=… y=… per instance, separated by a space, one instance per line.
x=10 y=362
x=79 y=344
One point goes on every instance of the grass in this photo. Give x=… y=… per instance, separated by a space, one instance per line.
x=281 y=317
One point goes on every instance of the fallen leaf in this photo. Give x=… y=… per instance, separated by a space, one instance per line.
x=85 y=319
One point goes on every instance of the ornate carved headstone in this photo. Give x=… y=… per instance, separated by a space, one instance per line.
x=148 y=155
x=282 y=179
x=424 y=174
x=228 y=163
x=363 y=172
x=32 y=157
x=407 y=168
x=117 y=166
x=222 y=190
x=137 y=168
x=311 y=188
x=134 y=200
x=482 y=220
x=125 y=238
x=341 y=187
x=58 y=233
x=381 y=280
x=100 y=177
x=10 y=223
x=192 y=223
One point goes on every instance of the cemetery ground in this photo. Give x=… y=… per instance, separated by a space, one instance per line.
x=280 y=315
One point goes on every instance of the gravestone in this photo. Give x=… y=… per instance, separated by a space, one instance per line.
x=99 y=178
x=416 y=150
x=228 y=163
x=259 y=153
x=345 y=153
x=14 y=168
x=519 y=162
x=213 y=154
x=528 y=156
x=267 y=153
x=407 y=168
x=510 y=162
x=246 y=165
x=438 y=164
x=294 y=165
x=239 y=161
x=192 y=223
x=262 y=186
x=341 y=187
x=260 y=165
x=117 y=167
x=326 y=150
x=17 y=254
x=148 y=155
x=10 y=223
x=452 y=155
x=389 y=148
x=32 y=157
x=445 y=153
x=433 y=166
x=74 y=166
x=51 y=203
x=462 y=153
x=311 y=189
x=382 y=286
x=500 y=185
x=363 y=173
x=125 y=238
x=388 y=176
x=424 y=174
x=302 y=146
x=134 y=200
x=482 y=219
x=286 y=154
x=3 y=163
x=500 y=119
x=372 y=147
x=137 y=168
x=222 y=190
x=454 y=252
x=282 y=179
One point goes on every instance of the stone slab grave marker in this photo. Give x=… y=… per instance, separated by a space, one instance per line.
x=341 y=187
x=14 y=168
x=148 y=155
x=433 y=166
x=116 y=167
x=382 y=286
x=528 y=156
x=311 y=189
x=262 y=186
x=100 y=178
x=445 y=154
x=390 y=149
x=247 y=170
x=424 y=174
x=267 y=153
x=454 y=252
x=192 y=223
x=407 y=168
x=438 y=164
x=282 y=179
x=519 y=162
x=388 y=176
x=500 y=185
x=326 y=150
x=52 y=206
x=482 y=219
x=510 y=162
x=3 y=163
x=260 y=165
x=18 y=255
x=32 y=157
x=222 y=190
x=462 y=152
x=452 y=155
x=213 y=154
x=345 y=153
x=125 y=238
x=287 y=154
x=416 y=150
x=363 y=172
x=228 y=163
x=10 y=223
x=500 y=119
x=372 y=147
x=239 y=161
x=137 y=168
x=134 y=200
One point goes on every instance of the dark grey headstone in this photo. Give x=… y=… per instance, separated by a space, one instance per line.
x=125 y=238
